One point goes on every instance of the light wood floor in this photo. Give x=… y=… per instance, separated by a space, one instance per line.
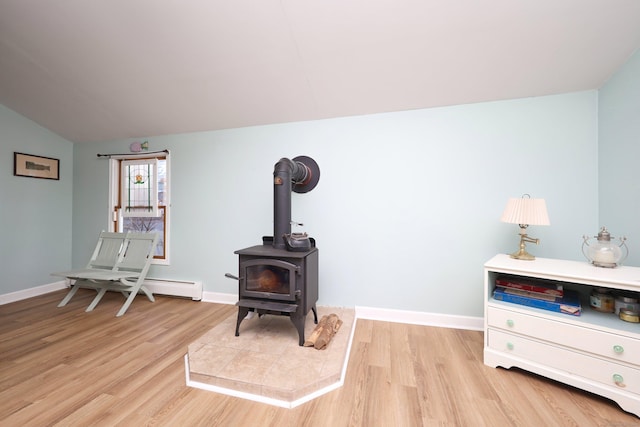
x=62 y=366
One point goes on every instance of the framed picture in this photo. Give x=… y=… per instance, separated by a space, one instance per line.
x=35 y=166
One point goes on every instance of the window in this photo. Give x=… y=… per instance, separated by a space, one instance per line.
x=139 y=189
x=139 y=198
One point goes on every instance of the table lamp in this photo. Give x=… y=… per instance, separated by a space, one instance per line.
x=525 y=211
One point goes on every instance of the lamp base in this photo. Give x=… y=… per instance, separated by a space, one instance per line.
x=522 y=252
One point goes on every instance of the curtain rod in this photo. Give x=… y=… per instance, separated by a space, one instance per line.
x=134 y=154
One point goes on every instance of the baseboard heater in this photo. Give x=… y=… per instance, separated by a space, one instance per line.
x=176 y=288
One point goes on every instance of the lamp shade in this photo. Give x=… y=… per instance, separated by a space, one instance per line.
x=526 y=211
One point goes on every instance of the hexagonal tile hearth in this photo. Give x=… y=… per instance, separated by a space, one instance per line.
x=265 y=363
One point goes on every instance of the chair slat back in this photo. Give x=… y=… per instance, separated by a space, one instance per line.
x=138 y=252
x=107 y=250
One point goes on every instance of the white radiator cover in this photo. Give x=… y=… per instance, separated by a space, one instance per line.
x=176 y=288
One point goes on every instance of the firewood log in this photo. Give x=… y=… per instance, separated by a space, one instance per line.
x=337 y=326
x=327 y=332
x=309 y=342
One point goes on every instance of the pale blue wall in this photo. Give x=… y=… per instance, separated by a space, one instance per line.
x=35 y=214
x=619 y=155
x=408 y=205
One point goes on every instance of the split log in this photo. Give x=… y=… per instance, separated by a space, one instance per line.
x=309 y=342
x=328 y=333
x=324 y=331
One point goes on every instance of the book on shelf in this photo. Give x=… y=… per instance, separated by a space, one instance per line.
x=538 y=287
x=530 y=294
x=569 y=303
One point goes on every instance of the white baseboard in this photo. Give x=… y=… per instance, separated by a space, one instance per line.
x=421 y=318
x=385 y=314
x=32 y=292
x=372 y=313
x=220 y=298
x=178 y=288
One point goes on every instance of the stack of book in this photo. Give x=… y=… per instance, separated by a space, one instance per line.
x=544 y=295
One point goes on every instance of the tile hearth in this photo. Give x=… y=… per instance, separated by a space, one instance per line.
x=265 y=363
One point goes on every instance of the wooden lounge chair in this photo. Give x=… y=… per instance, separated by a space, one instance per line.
x=127 y=273
x=104 y=258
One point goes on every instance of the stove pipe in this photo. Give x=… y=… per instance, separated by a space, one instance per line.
x=300 y=175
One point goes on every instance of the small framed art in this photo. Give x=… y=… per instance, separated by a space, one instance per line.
x=35 y=166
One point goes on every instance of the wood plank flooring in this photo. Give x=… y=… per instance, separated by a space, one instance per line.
x=65 y=367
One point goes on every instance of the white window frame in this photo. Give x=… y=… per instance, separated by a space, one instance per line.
x=114 y=192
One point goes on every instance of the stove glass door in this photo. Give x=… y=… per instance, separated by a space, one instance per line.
x=268 y=278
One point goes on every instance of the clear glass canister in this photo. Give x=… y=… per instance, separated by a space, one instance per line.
x=626 y=302
x=604 y=252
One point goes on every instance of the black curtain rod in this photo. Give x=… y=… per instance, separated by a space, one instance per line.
x=134 y=154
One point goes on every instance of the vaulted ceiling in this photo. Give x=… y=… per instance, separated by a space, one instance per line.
x=94 y=70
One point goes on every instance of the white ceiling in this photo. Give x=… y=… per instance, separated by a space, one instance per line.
x=93 y=70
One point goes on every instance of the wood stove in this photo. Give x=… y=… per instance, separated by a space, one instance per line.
x=281 y=276
x=277 y=281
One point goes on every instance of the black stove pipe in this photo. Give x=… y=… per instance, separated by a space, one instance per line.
x=286 y=173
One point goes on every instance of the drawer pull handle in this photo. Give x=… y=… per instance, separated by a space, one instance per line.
x=510 y=346
x=618 y=349
x=617 y=378
x=510 y=323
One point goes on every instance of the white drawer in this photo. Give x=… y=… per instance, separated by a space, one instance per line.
x=617 y=347
x=600 y=370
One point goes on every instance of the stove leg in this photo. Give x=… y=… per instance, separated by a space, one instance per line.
x=315 y=314
x=298 y=321
x=242 y=313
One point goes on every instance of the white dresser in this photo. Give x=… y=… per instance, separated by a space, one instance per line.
x=595 y=351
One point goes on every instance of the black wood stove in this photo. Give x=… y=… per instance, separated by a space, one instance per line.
x=281 y=276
